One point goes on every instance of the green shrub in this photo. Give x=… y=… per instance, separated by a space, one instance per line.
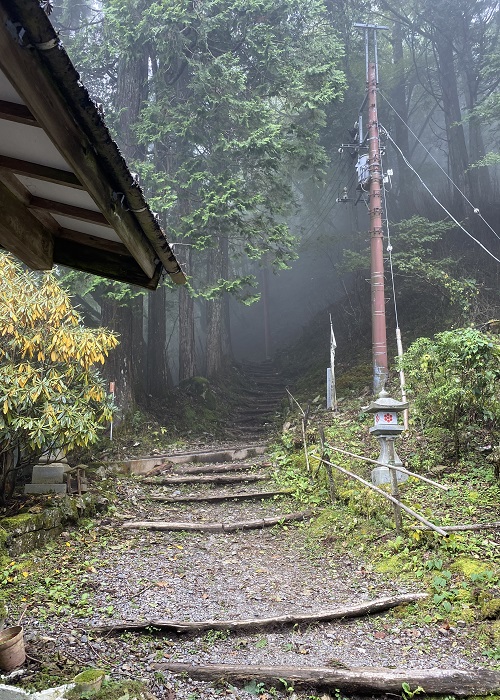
x=51 y=396
x=453 y=379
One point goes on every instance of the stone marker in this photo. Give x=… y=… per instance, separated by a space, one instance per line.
x=49 y=473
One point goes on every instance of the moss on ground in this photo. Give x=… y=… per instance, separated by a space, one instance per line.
x=114 y=690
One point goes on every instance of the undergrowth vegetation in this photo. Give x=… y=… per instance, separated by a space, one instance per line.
x=461 y=572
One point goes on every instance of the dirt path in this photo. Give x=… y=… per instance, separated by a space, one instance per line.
x=135 y=575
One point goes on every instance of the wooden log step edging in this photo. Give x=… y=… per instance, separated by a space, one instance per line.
x=216 y=527
x=371 y=607
x=218 y=468
x=204 y=479
x=148 y=464
x=218 y=497
x=433 y=681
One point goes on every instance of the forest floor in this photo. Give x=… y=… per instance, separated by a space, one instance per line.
x=108 y=572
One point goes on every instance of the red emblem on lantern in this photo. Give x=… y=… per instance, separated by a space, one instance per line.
x=388 y=417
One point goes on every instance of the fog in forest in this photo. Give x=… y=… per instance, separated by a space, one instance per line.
x=251 y=157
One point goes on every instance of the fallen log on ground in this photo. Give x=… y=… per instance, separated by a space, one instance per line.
x=371 y=607
x=204 y=479
x=435 y=681
x=216 y=527
x=216 y=497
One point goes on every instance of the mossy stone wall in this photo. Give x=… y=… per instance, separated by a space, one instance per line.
x=26 y=531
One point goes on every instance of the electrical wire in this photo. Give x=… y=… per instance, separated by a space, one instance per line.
x=326 y=207
x=312 y=230
x=389 y=250
x=475 y=209
x=399 y=342
x=407 y=162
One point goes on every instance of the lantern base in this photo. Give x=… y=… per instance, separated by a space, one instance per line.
x=388 y=430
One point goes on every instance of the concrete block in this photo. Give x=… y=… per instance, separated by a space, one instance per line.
x=45 y=488
x=10 y=692
x=48 y=474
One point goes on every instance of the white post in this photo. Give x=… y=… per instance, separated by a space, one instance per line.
x=402 y=380
x=333 y=347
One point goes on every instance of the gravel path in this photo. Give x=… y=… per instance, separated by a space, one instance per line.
x=142 y=575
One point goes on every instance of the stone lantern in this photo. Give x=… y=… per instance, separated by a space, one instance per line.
x=386 y=428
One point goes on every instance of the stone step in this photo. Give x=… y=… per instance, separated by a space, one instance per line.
x=142 y=466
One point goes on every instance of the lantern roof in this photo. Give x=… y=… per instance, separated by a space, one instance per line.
x=384 y=402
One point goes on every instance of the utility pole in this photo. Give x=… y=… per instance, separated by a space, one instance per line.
x=379 y=333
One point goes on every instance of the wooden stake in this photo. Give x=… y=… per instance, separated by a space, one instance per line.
x=464 y=528
x=411 y=512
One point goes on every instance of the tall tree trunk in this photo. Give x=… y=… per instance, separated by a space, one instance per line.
x=457 y=148
x=399 y=100
x=482 y=190
x=187 y=348
x=139 y=347
x=218 y=337
x=131 y=93
x=481 y=187
x=119 y=367
x=157 y=367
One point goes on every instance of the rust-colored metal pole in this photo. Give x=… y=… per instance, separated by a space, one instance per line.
x=379 y=334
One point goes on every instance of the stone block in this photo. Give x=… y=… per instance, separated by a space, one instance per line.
x=48 y=473
x=45 y=488
x=10 y=692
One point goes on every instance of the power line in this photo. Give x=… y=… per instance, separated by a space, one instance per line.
x=437 y=200
x=325 y=205
x=475 y=209
x=312 y=230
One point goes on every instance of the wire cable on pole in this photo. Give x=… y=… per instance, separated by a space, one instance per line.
x=475 y=209
x=399 y=342
x=407 y=162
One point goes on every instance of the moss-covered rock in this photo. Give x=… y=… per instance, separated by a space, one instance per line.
x=26 y=531
x=495 y=632
x=490 y=609
x=390 y=565
x=113 y=690
x=468 y=566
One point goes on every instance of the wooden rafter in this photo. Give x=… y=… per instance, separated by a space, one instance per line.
x=23 y=234
x=68 y=210
x=41 y=172
x=118 y=267
x=13 y=112
x=34 y=83
x=92 y=241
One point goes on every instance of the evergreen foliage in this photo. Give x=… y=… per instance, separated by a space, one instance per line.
x=454 y=382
